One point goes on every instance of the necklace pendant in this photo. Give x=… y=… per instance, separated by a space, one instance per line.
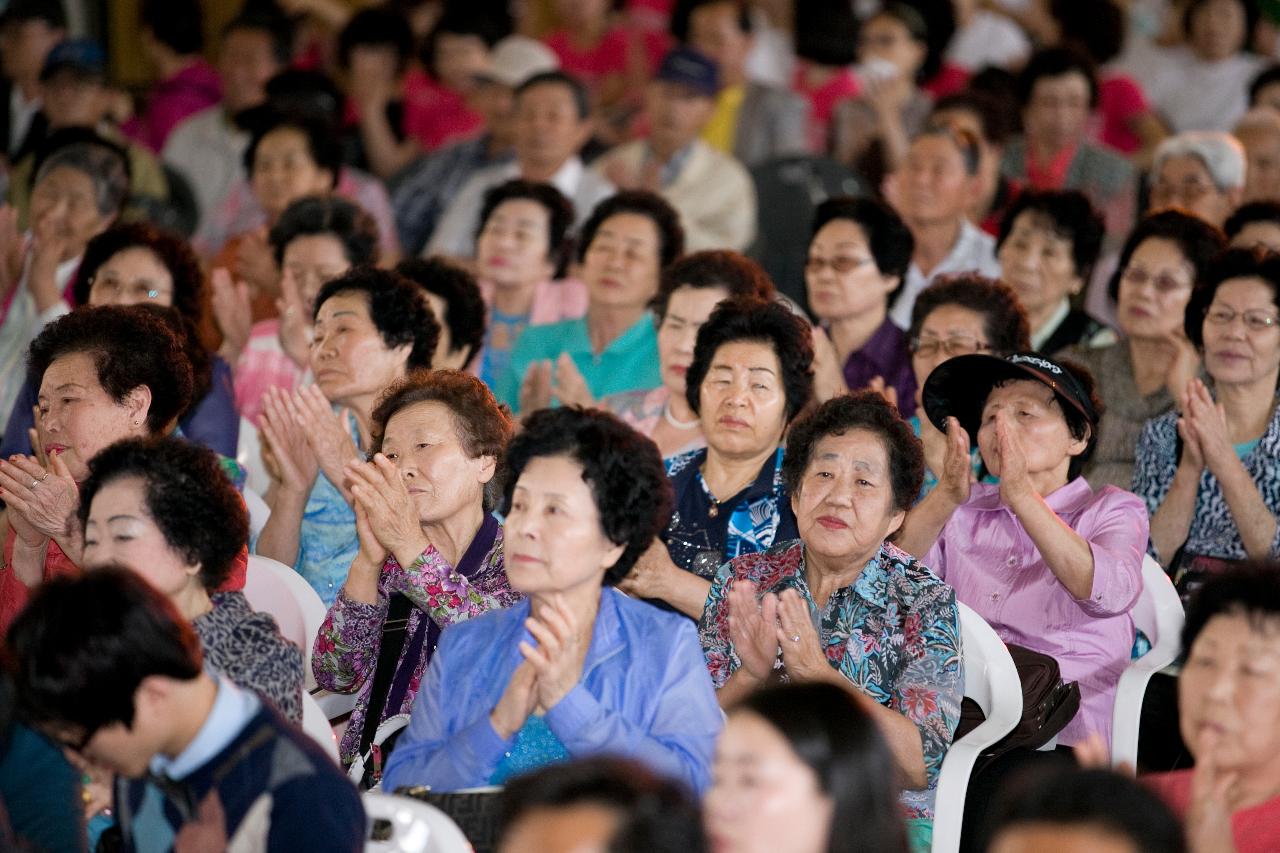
x=713 y=511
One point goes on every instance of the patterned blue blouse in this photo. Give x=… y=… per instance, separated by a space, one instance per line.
x=327 y=542
x=1213 y=530
x=703 y=533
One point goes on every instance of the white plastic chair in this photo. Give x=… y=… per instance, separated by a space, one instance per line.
x=259 y=512
x=416 y=827
x=315 y=725
x=386 y=729
x=1158 y=614
x=991 y=680
x=274 y=588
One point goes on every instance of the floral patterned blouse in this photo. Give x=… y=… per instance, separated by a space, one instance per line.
x=894 y=632
x=346 y=648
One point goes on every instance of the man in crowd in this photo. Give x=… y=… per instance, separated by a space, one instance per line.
x=29 y=29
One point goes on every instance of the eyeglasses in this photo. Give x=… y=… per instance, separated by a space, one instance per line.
x=1165 y=285
x=842 y=265
x=111 y=288
x=1189 y=191
x=951 y=346
x=1254 y=321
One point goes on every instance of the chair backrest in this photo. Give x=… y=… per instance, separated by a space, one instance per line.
x=274 y=588
x=249 y=455
x=315 y=725
x=990 y=678
x=1158 y=614
x=410 y=826
x=259 y=512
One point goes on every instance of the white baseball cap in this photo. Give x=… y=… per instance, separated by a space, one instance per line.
x=515 y=59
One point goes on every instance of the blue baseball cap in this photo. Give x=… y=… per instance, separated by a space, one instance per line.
x=686 y=67
x=83 y=57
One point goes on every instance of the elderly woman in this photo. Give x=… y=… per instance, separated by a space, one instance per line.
x=689 y=290
x=959 y=315
x=1229 y=714
x=1144 y=375
x=423 y=505
x=751 y=375
x=315 y=240
x=829 y=779
x=623 y=247
x=79 y=190
x=577 y=668
x=858 y=259
x=1047 y=247
x=842 y=605
x=1200 y=171
x=1255 y=223
x=104 y=375
x=371 y=328
x=136 y=263
x=522 y=249
x=1208 y=472
x=1050 y=563
x=163 y=508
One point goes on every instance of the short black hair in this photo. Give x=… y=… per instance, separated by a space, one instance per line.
x=1250 y=589
x=887 y=235
x=464 y=312
x=642 y=203
x=581 y=97
x=82 y=646
x=965 y=141
x=831 y=733
x=772 y=323
x=322 y=141
x=1264 y=78
x=173 y=252
x=1197 y=240
x=735 y=272
x=866 y=410
x=1063 y=794
x=1067 y=214
x=998 y=123
x=682 y=16
x=1255 y=262
x=376 y=26
x=622 y=467
x=344 y=220
x=21 y=11
x=176 y=24
x=193 y=504
x=560 y=214
x=1057 y=62
x=1004 y=321
x=396 y=307
x=1096 y=26
x=275 y=26
x=488 y=21
x=654 y=812
x=298 y=90
x=1252 y=14
x=131 y=346
x=932 y=23
x=825 y=32
x=1247 y=214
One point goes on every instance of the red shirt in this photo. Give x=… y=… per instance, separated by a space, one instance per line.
x=434 y=114
x=1255 y=830
x=823 y=100
x=949 y=80
x=1120 y=101
x=1051 y=175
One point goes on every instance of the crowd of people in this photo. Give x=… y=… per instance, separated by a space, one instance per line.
x=649 y=390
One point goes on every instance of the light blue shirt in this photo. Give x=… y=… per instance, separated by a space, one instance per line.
x=644 y=693
x=327 y=541
x=627 y=364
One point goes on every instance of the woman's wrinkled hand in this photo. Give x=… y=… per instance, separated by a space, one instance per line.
x=558 y=657
x=802 y=652
x=753 y=628
x=232 y=312
x=379 y=489
x=295 y=322
x=956 y=477
x=535 y=388
x=828 y=373
x=46 y=499
x=570 y=385
x=326 y=432
x=295 y=461
x=516 y=703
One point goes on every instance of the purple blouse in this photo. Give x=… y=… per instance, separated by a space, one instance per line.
x=995 y=568
x=885 y=355
x=346 y=647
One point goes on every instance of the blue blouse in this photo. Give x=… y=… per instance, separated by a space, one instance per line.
x=327 y=541
x=644 y=693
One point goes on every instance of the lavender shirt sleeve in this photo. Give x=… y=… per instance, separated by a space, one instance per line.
x=1116 y=527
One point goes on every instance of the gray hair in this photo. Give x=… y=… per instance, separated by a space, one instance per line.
x=1221 y=153
x=105 y=165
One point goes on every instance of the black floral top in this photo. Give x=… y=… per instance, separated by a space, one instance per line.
x=246 y=646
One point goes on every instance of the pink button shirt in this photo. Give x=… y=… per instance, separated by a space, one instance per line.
x=990 y=560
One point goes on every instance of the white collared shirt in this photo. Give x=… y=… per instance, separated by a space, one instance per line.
x=973 y=251
x=21 y=113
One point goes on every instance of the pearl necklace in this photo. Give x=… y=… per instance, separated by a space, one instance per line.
x=676 y=422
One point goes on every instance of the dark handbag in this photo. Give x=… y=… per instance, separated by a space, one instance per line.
x=477 y=813
x=1047 y=705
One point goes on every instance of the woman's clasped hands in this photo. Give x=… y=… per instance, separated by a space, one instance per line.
x=551 y=668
